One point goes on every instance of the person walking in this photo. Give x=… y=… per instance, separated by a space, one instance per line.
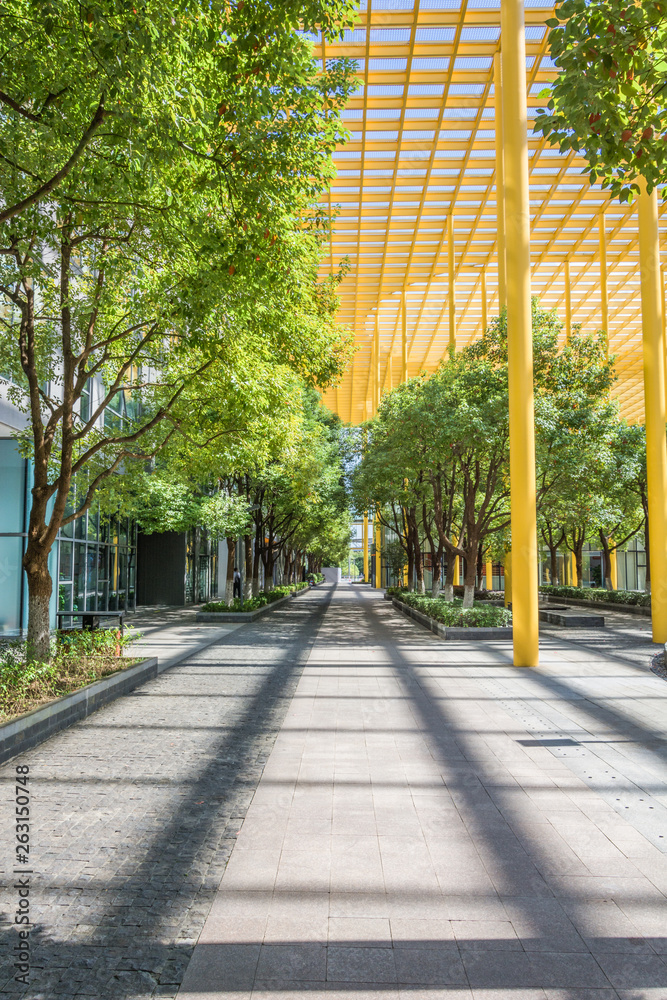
x=237 y=584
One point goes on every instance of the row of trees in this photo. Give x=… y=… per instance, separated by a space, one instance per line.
x=289 y=506
x=159 y=244
x=434 y=462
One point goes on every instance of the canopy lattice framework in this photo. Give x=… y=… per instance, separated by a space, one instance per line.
x=422 y=154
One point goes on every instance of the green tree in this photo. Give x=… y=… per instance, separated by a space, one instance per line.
x=607 y=103
x=133 y=263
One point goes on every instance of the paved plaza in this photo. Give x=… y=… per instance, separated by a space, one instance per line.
x=332 y=801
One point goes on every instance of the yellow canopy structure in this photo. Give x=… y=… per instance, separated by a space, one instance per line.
x=415 y=200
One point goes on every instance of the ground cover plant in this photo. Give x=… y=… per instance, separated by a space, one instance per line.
x=77 y=658
x=452 y=614
x=599 y=594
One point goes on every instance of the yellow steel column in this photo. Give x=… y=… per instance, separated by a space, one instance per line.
x=654 y=405
x=404 y=338
x=456 y=571
x=604 y=300
x=573 y=570
x=364 y=542
x=519 y=337
x=664 y=319
x=377 y=538
x=614 y=569
x=568 y=302
x=489 y=576
x=375 y=366
x=500 y=182
x=484 y=316
x=450 y=276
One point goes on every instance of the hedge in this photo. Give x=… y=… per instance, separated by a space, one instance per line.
x=453 y=615
x=600 y=594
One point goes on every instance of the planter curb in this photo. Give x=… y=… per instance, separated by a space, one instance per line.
x=450 y=632
x=35 y=727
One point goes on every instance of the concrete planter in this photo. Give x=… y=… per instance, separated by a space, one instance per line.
x=34 y=727
x=625 y=609
x=447 y=632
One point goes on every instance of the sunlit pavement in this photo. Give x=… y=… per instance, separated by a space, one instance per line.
x=435 y=823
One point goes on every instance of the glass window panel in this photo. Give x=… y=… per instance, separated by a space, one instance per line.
x=12 y=477
x=80 y=527
x=79 y=579
x=65 y=561
x=10 y=577
x=65 y=597
x=93 y=525
x=91 y=567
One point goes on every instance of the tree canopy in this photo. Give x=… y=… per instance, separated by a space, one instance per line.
x=607 y=103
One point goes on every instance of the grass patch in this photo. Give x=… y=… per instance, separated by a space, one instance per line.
x=598 y=594
x=452 y=614
x=78 y=658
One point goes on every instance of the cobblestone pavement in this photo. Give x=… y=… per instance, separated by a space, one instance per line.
x=436 y=824
x=135 y=811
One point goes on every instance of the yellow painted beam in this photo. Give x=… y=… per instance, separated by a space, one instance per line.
x=489 y=576
x=483 y=294
x=604 y=295
x=364 y=542
x=519 y=337
x=377 y=538
x=451 y=287
x=500 y=180
x=654 y=403
x=404 y=337
x=568 y=302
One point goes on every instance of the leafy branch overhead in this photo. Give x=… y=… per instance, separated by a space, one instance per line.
x=609 y=101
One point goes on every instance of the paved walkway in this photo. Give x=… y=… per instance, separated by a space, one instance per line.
x=418 y=819
x=434 y=823
x=135 y=810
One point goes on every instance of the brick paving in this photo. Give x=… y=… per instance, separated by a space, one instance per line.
x=418 y=819
x=135 y=811
x=435 y=824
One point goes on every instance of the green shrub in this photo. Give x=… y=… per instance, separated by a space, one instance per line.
x=452 y=615
x=78 y=657
x=599 y=594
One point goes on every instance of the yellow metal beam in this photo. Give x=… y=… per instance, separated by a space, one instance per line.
x=568 y=302
x=483 y=294
x=451 y=287
x=404 y=337
x=654 y=403
x=604 y=295
x=519 y=336
x=500 y=179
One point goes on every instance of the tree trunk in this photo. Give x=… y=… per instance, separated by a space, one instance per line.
x=553 y=565
x=436 y=570
x=229 y=577
x=481 y=575
x=470 y=574
x=448 y=592
x=606 y=561
x=411 y=562
x=579 y=562
x=248 y=574
x=40 y=587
